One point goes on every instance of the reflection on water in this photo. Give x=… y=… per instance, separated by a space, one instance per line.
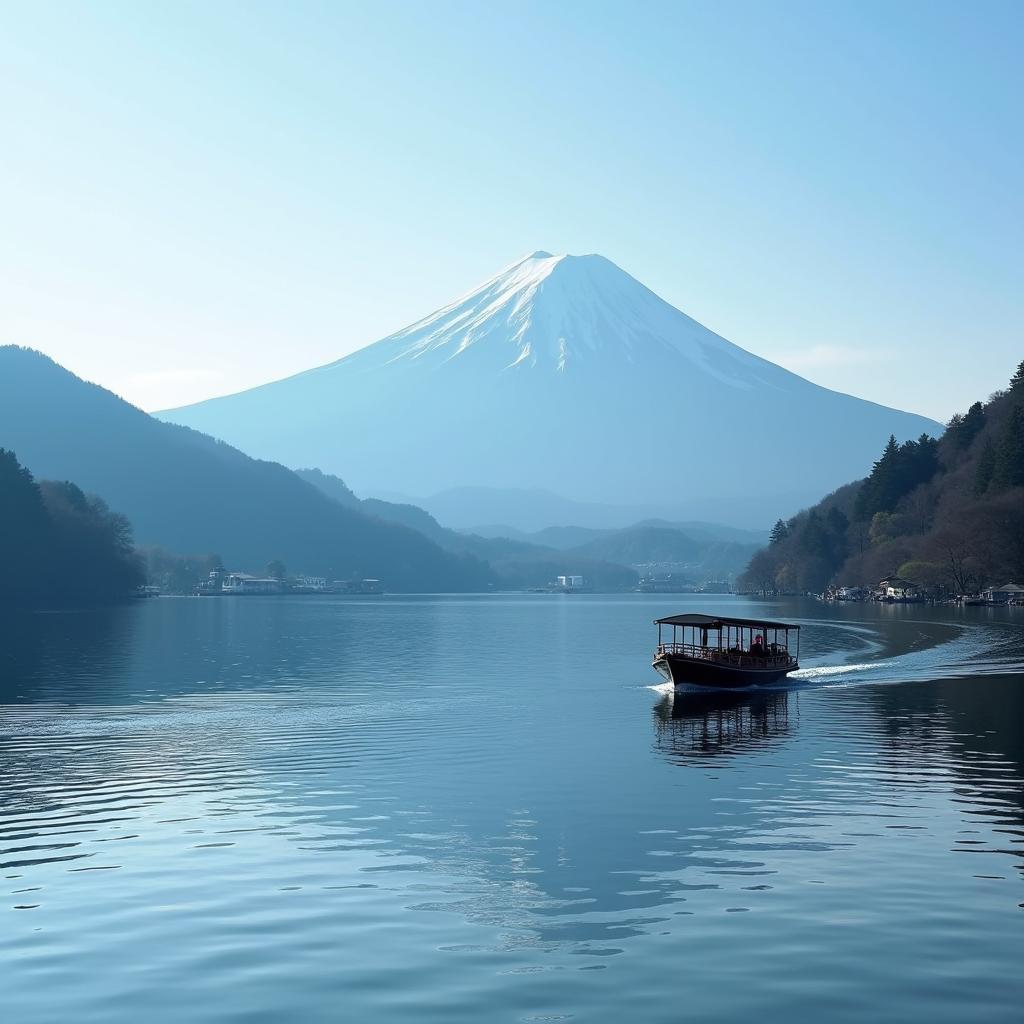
x=444 y=809
x=38 y=650
x=694 y=724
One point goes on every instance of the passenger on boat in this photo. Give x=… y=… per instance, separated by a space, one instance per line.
x=757 y=647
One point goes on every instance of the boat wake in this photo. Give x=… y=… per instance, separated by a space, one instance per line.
x=829 y=673
x=967 y=649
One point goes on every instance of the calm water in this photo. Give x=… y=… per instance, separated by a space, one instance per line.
x=466 y=809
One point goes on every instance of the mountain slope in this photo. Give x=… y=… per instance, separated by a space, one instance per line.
x=190 y=493
x=517 y=564
x=563 y=373
x=639 y=544
x=603 y=557
x=562 y=538
x=652 y=543
x=531 y=510
x=948 y=515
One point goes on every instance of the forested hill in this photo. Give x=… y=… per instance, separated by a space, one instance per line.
x=947 y=513
x=60 y=547
x=189 y=493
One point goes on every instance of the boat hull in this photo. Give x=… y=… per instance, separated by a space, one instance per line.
x=682 y=671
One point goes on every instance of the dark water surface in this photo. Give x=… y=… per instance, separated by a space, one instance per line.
x=485 y=808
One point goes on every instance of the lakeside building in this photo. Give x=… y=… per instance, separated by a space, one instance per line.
x=570 y=582
x=237 y=583
x=1006 y=594
x=243 y=583
x=895 y=588
x=309 y=585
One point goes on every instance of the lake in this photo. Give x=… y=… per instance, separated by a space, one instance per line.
x=487 y=808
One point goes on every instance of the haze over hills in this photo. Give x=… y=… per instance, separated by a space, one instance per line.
x=498 y=512
x=192 y=494
x=566 y=374
x=600 y=556
x=527 y=509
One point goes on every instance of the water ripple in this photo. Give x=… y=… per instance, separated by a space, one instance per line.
x=445 y=838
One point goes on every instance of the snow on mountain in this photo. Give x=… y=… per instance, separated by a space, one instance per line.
x=553 y=312
x=563 y=372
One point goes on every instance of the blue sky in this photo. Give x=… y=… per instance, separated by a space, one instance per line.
x=196 y=198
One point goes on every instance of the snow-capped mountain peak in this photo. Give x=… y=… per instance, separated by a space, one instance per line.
x=558 y=313
x=565 y=373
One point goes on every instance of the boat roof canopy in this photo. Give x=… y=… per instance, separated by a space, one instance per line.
x=717 y=621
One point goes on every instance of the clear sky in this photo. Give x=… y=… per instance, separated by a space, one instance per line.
x=196 y=198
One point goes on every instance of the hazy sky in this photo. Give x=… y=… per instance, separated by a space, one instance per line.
x=196 y=198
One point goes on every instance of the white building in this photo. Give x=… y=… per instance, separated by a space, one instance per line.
x=570 y=582
x=310 y=584
x=895 y=588
x=243 y=583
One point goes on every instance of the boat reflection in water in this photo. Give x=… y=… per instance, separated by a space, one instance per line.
x=692 y=725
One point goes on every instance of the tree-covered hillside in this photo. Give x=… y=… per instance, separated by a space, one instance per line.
x=947 y=514
x=186 y=492
x=60 y=547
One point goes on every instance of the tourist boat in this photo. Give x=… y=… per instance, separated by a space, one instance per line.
x=712 y=650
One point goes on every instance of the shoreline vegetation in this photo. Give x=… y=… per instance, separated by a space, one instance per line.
x=946 y=515
x=61 y=547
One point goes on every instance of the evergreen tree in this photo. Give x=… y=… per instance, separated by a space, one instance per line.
x=1017 y=380
x=876 y=492
x=1008 y=469
x=919 y=462
x=962 y=430
x=973 y=422
x=954 y=428
x=900 y=469
x=986 y=467
x=780 y=531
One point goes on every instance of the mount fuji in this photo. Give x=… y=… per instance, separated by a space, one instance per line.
x=566 y=374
